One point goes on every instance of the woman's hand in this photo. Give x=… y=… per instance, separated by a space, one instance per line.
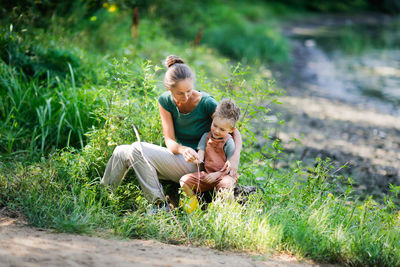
x=230 y=168
x=227 y=167
x=190 y=155
x=235 y=158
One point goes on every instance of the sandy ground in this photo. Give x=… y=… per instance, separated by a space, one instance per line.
x=22 y=245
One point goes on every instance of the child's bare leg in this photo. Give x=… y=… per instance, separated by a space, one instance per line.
x=186 y=183
x=187 y=189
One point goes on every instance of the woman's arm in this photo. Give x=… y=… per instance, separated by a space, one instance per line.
x=234 y=159
x=169 y=131
x=169 y=136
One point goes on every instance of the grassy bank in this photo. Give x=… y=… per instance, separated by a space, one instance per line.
x=69 y=94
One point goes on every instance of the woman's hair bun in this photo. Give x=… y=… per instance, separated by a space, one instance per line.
x=172 y=59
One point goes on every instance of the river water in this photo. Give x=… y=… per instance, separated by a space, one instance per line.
x=355 y=60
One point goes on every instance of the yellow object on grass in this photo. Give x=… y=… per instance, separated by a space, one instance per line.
x=191 y=204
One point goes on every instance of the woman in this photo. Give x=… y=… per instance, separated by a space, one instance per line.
x=185 y=115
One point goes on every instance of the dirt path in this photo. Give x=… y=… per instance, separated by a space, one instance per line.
x=22 y=245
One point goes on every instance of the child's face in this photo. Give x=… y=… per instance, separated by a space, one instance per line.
x=220 y=127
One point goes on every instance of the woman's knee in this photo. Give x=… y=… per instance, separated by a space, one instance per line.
x=138 y=149
x=122 y=153
x=136 y=146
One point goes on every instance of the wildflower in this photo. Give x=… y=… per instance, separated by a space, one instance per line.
x=111 y=8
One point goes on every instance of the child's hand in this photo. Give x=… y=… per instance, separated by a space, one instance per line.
x=212 y=177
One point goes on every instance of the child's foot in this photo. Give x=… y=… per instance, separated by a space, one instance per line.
x=191 y=204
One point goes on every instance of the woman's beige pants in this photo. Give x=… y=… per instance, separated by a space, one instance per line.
x=162 y=164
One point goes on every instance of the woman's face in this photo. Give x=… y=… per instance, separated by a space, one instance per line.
x=182 y=91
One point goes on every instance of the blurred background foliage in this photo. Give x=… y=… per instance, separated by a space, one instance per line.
x=227 y=26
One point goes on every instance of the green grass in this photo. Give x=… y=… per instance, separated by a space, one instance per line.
x=60 y=126
x=309 y=221
x=38 y=116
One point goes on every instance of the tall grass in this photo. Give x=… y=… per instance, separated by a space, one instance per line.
x=321 y=226
x=38 y=116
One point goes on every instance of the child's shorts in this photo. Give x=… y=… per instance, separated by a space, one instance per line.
x=223 y=182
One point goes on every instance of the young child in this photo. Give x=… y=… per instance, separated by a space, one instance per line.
x=215 y=149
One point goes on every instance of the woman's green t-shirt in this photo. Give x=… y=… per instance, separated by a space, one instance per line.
x=191 y=126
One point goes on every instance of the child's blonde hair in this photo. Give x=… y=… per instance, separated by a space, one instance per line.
x=227 y=109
